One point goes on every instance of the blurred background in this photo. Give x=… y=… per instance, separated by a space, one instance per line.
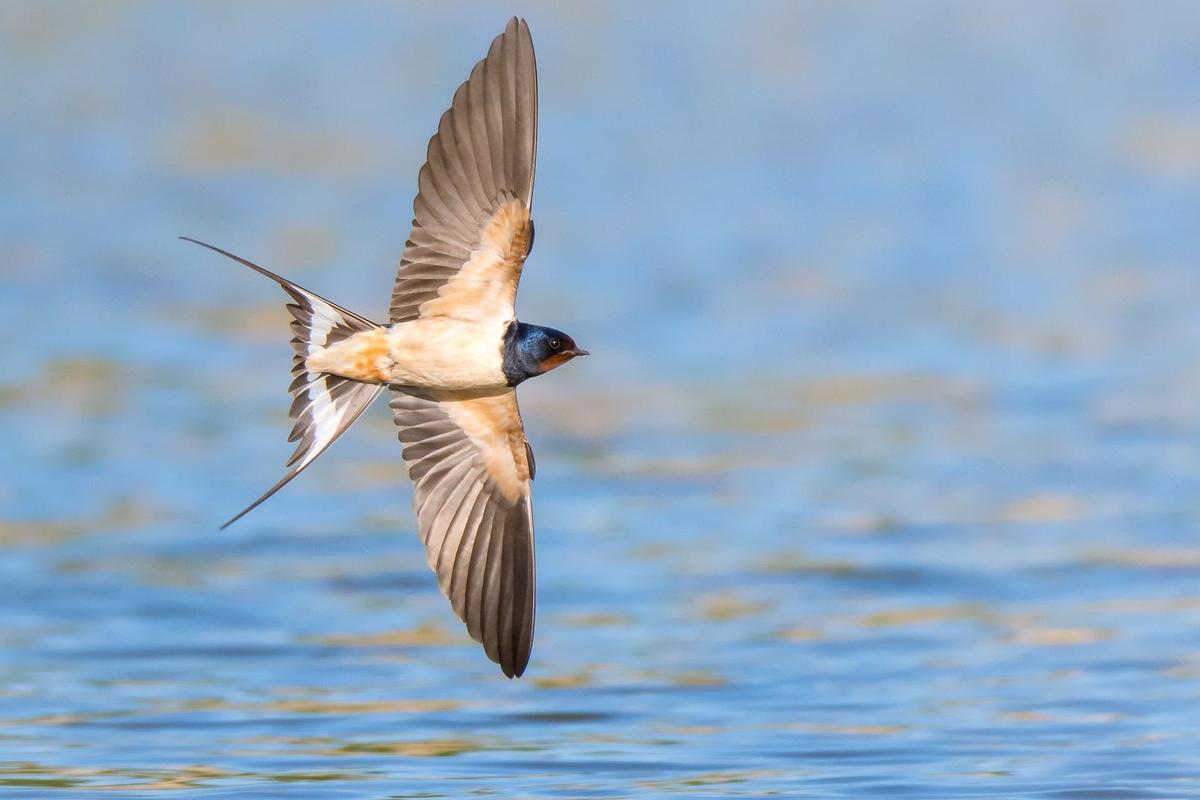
x=882 y=479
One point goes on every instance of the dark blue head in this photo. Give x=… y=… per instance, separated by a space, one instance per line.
x=531 y=350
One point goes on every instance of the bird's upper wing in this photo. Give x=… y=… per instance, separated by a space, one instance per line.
x=471 y=469
x=472 y=229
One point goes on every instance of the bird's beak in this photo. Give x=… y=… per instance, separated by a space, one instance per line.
x=578 y=352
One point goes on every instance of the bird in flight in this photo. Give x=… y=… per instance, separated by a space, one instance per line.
x=451 y=354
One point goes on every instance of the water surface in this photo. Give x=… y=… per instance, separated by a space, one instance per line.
x=881 y=482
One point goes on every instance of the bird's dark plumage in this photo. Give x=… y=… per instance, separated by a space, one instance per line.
x=451 y=353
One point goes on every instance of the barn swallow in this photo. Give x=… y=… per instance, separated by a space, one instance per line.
x=451 y=354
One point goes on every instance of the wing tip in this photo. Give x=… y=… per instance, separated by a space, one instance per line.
x=514 y=665
x=516 y=27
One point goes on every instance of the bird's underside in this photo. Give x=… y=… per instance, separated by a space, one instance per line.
x=440 y=355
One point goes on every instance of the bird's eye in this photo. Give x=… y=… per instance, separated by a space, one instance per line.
x=554 y=344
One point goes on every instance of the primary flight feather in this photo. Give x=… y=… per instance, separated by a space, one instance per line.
x=451 y=354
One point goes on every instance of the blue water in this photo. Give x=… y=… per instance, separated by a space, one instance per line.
x=883 y=479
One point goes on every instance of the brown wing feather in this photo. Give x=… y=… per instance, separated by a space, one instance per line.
x=471 y=228
x=468 y=460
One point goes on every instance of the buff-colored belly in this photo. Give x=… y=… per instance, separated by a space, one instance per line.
x=438 y=353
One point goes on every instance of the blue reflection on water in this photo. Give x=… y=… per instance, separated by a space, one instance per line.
x=882 y=481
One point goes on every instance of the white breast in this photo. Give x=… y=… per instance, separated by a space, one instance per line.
x=446 y=353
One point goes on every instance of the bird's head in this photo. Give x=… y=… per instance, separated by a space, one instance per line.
x=551 y=348
x=531 y=350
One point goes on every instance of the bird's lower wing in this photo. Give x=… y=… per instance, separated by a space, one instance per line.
x=471 y=470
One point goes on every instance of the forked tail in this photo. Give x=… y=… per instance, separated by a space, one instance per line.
x=324 y=405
